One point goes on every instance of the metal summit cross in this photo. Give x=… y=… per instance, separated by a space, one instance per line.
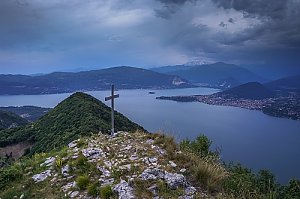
x=112 y=98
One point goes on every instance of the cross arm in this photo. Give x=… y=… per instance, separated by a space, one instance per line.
x=111 y=97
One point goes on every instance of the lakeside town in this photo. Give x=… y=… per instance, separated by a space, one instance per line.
x=286 y=107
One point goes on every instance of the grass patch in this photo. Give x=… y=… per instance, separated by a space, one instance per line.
x=165 y=192
x=82 y=182
x=168 y=143
x=140 y=187
x=93 y=189
x=106 y=192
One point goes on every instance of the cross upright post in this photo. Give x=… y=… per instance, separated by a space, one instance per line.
x=112 y=98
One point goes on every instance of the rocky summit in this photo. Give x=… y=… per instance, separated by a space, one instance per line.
x=124 y=166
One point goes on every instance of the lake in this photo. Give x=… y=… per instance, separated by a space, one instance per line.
x=250 y=137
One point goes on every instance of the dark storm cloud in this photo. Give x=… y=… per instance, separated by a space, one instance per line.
x=49 y=35
x=270 y=8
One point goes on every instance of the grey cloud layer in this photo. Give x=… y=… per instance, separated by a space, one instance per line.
x=48 y=35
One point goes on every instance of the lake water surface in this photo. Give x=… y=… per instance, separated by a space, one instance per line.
x=249 y=137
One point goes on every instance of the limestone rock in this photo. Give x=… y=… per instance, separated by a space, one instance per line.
x=104 y=171
x=65 y=170
x=92 y=153
x=72 y=144
x=68 y=186
x=105 y=182
x=190 y=191
x=124 y=190
x=152 y=174
x=172 y=164
x=175 y=180
x=41 y=176
x=49 y=162
x=74 y=194
x=152 y=159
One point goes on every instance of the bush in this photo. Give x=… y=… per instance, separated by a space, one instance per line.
x=292 y=190
x=93 y=189
x=106 y=192
x=9 y=174
x=82 y=182
x=266 y=182
x=201 y=145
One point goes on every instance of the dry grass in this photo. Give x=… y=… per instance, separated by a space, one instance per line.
x=204 y=171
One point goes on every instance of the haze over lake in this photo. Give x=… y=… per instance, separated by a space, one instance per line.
x=249 y=137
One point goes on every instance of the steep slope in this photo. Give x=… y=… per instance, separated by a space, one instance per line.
x=251 y=90
x=10 y=120
x=212 y=74
x=126 y=166
x=285 y=85
x=78 y=115
x=123 y=77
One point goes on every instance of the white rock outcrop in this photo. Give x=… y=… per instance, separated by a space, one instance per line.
x=124 y=190
x=41 y=176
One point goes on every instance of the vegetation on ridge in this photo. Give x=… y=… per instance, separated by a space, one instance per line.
x=203 y=170
x=78 y=115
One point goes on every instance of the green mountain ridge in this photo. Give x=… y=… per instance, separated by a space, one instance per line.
x=10 y=120
x=78 y=115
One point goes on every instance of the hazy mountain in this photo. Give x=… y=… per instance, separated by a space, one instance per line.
x=168 y=69
x=285 y=85
x=10 y=120
x=250 y=90
x=59 y=82
x=78 y=115
x=212 y=74
x=227 y=83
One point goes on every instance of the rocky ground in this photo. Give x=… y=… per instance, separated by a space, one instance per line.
x=131 y=165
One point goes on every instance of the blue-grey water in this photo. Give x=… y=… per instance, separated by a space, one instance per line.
x=249 y=137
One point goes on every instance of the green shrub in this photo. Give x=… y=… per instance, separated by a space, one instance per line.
x=93 y=189
x=82 y=182
x=241 y=181
x=9 y=174
x=201 y=145
x=291 y=190
x=80 y=143
x=106 y=192
x=81 y=161
x=266 y=182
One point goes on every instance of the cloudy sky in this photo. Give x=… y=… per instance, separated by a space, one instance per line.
x=38 y=36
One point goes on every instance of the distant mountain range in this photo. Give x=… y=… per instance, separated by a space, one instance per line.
x=219 y=74
x=78 y=115
x=60 y=82
x=10 y=120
